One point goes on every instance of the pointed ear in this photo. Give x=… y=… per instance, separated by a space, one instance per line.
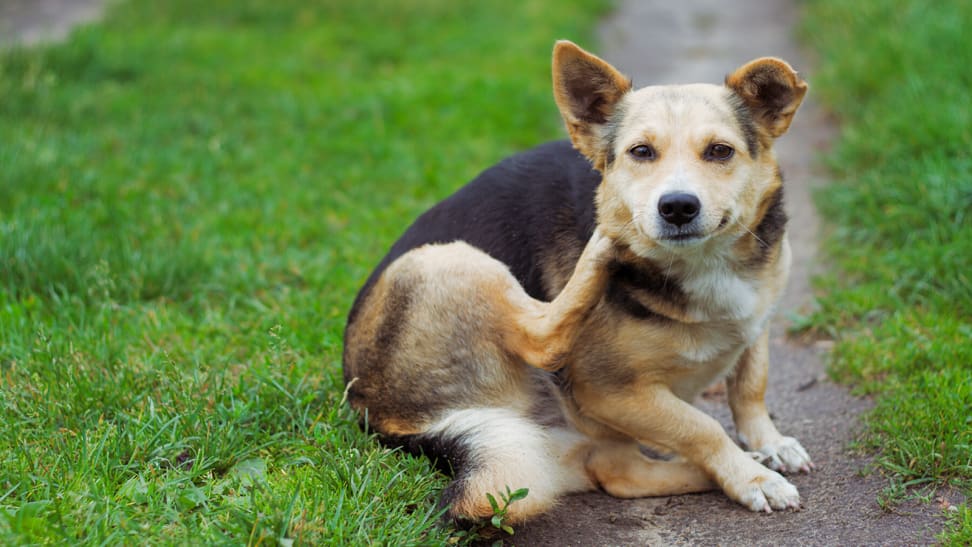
x=772 y=90
x=587 y=90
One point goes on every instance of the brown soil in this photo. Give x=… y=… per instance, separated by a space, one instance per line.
x=658 y=42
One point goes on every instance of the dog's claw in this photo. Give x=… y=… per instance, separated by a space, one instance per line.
x=785 y=456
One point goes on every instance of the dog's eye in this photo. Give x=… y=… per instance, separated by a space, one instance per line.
x=642 y=152
x=718 y=152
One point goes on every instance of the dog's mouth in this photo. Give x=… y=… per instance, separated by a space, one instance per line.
x=685 y=236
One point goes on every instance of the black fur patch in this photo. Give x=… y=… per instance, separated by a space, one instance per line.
x=452 y=456
x=628 y=279
x=508 y=211
x=771 y=91
x=744 y=117
x=770 y=229
x=451 y=494
x=621 y=297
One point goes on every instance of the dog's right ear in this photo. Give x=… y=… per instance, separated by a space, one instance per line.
x=587 y=90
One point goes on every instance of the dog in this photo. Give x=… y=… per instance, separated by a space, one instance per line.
x=549 y=324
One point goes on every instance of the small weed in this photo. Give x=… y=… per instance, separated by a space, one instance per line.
x=499 y=513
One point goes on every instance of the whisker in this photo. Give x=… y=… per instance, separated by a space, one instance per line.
x=763 y=243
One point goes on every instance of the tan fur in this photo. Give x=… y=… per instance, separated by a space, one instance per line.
x=542 y=333
x=624 y=472
x=475 y=339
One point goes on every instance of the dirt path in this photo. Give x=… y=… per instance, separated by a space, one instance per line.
x=658 y=42
x=32 y=21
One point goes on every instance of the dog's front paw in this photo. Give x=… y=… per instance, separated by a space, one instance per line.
x=765 y=491
x=786 y=456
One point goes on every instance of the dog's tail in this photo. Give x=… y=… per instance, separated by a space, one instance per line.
x=489 y=450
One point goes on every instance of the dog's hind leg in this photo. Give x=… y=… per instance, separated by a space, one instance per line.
x=545 y=331
x=497 y=448
x=624 y=472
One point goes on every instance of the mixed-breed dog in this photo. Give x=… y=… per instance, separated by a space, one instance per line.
x=560 y=312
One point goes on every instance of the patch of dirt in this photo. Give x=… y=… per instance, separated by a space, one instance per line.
x=658 y=42
x=32 y=21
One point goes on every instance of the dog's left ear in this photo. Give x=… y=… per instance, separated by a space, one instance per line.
x=772 y=90
x=587 y=90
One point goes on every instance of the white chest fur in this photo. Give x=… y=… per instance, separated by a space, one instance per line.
x=730 y=313
x=718 y=293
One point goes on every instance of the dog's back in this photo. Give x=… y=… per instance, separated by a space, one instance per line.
x=534 y=204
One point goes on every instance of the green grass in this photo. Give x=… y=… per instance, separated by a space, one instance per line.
x=896 y=74
x=191 y=194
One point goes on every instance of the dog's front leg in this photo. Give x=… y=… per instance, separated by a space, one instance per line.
x=747 y=387
x=543 y=332
x=652 y=414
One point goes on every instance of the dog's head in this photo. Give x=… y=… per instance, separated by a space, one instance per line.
x=682 y=165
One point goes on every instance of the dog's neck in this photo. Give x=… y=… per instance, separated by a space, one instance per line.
x=688 y=287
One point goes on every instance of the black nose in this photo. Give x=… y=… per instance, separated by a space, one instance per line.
x=679 y=208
